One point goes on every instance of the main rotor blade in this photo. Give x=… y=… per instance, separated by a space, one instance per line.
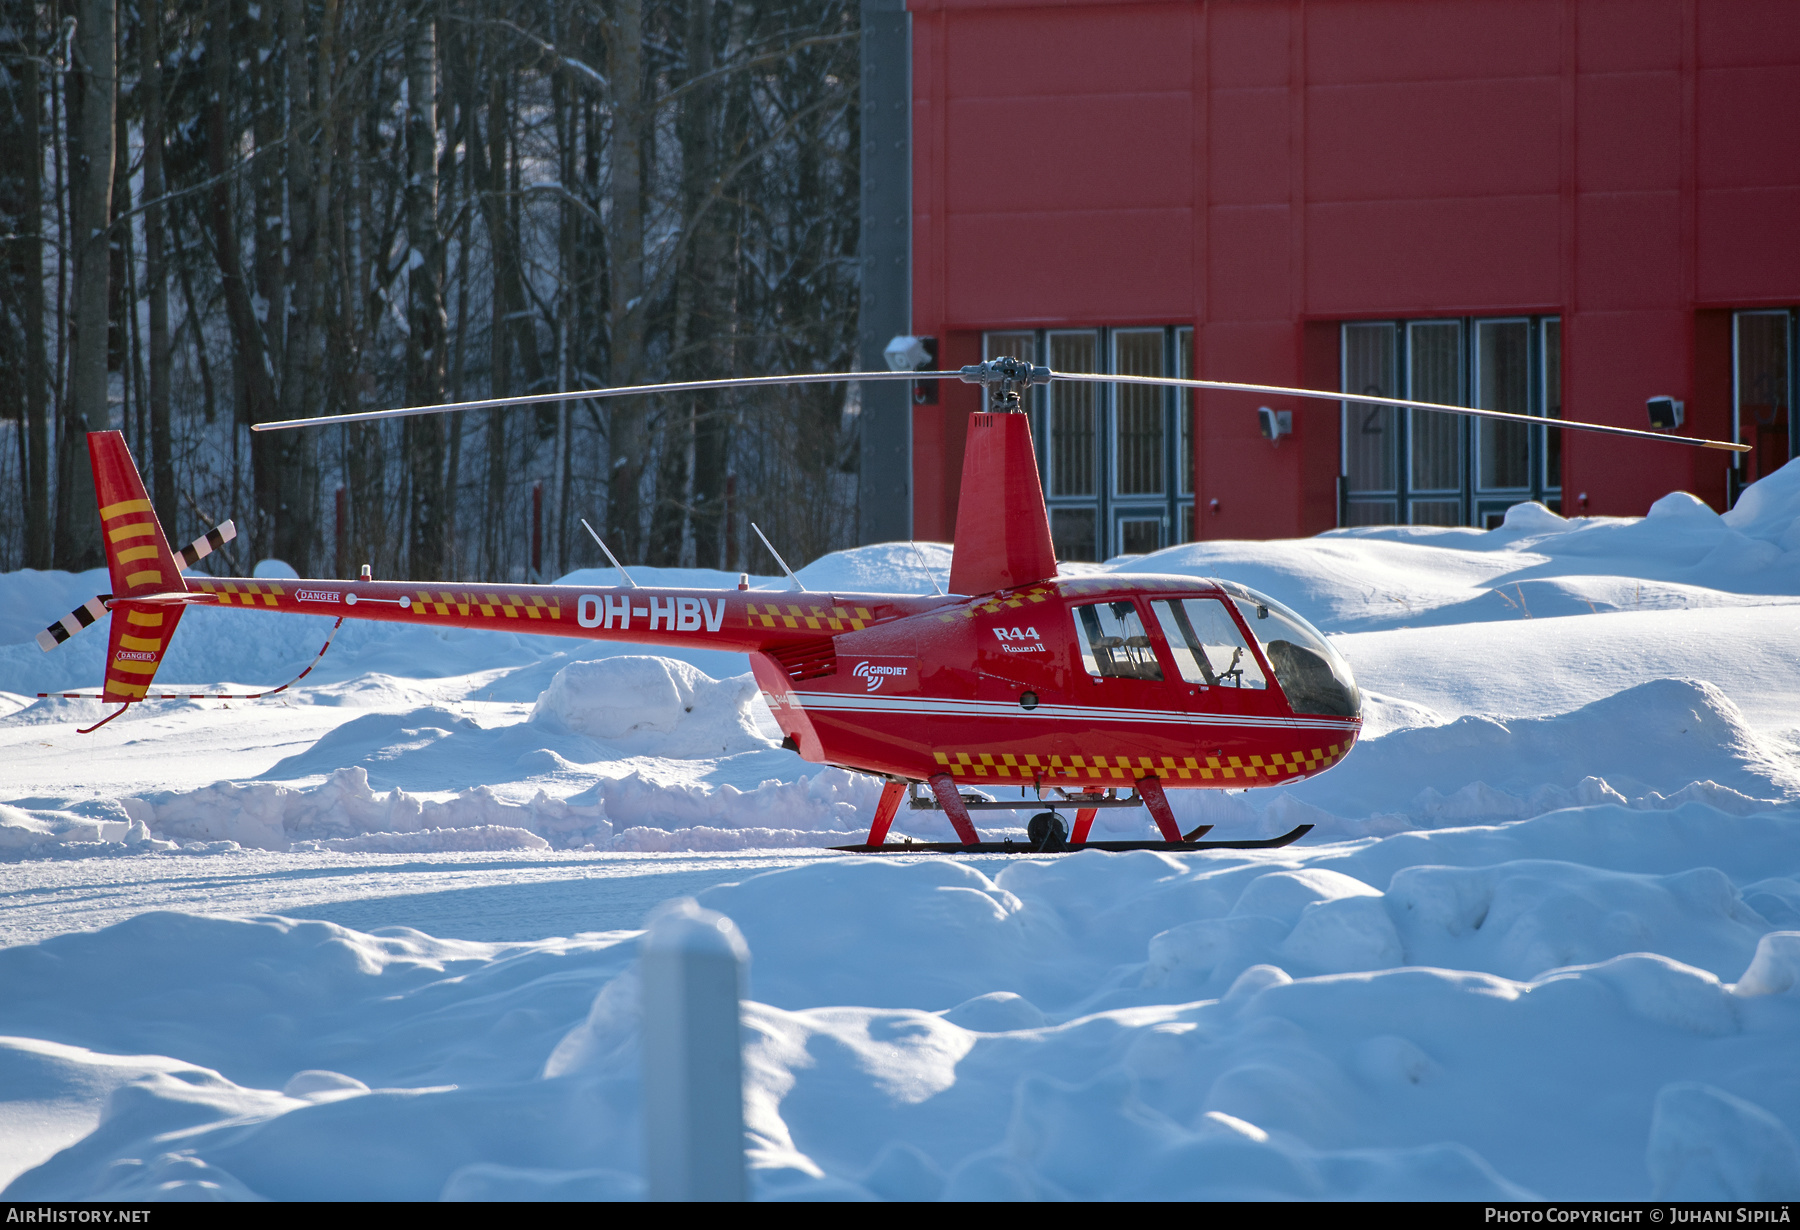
x=625 y=390
x=1531 y=420
x=1226 y=386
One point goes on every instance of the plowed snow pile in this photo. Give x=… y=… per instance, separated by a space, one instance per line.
x=1544 y=940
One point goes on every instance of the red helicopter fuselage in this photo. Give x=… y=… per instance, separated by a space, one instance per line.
x=998 y=690
x=1075 y=687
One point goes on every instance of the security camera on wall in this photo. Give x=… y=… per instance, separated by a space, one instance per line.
x=907 y=354
x=1666 y=413
x=1274 y=424
x=913 y=354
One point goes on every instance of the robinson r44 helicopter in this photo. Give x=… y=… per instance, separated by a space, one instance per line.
x=1089 y=692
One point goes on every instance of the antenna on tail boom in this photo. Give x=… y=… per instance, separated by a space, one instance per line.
x=929 y=574
x=778 y=559
x=609 y=554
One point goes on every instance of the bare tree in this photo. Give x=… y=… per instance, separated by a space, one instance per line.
x=93 y=82
x=343 y=204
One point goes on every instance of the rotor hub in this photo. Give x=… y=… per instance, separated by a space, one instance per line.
x=1005 y=380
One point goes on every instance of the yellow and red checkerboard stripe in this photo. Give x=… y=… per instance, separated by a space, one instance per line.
x=994 y=606
x=484 y=602
x=1239 y=770
x=817 y=618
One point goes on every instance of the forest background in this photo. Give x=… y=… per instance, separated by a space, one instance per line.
x=215 y=213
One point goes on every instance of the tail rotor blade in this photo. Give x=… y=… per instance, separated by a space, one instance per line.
x=83 y=616
x=206 y=544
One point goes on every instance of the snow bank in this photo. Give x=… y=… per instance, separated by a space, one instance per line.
x=654 y=707
x=650 y=754
x=25 y=832
x=1681 y=555
x=1646 y=745
x=346 y=813
x=1544 y=1008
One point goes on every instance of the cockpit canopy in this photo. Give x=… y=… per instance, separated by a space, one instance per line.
x=1209 y=650
x=1314 y=676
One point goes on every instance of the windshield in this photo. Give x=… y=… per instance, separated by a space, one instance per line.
x=1314 y=676
x=1206 y=644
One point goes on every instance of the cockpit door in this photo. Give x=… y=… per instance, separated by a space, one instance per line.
x=1217 y=671
x=1116 y=663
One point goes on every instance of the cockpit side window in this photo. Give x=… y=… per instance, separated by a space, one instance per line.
x=1113 y=642
x=1208 y=648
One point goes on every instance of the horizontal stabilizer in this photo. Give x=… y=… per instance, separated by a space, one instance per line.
x=81 y=617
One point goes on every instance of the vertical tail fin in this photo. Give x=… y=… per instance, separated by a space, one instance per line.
x=135 y=646
x=137 y=553
x=141 y=564
x=1002 y=528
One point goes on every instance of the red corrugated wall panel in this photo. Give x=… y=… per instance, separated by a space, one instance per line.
x=1264 y=168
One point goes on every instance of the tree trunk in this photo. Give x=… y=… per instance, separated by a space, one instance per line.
x=254 y=386
x=512 y=332
x=92 y=102
x=21 y=212
x=156 y=267
x=625 y=251
x=290 y=458
x=709 y=318
x=425 y=303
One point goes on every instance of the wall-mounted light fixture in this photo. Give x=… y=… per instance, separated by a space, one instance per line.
x=1274 y=424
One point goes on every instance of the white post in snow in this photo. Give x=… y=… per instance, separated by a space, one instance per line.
x=693 y=963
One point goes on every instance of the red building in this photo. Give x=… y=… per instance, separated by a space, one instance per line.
x=1539 y=205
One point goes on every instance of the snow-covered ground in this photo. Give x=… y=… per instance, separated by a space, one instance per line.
x=376 y=938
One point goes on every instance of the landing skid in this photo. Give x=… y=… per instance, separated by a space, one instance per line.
x=1023 y=847
x=1046 y=831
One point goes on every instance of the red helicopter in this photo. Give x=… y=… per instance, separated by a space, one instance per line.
x=1085 y=692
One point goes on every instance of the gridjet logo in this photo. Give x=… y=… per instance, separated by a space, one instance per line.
x=875 y=676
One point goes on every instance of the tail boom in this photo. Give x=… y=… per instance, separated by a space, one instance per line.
x=739 y=621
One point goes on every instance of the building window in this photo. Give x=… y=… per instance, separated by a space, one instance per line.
x=1139 y=457
x=1762 y=377
x=1074 y=426
x=1503 y=382
x=1371 y=432
x=1116 y=461
x=1184 y=416
x=1550 y=398
x=1073 y=534
x=1426 y=467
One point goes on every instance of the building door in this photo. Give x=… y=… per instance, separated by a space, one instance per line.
x=1762 y=387
x=1425 y=467
x=1116 y=461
